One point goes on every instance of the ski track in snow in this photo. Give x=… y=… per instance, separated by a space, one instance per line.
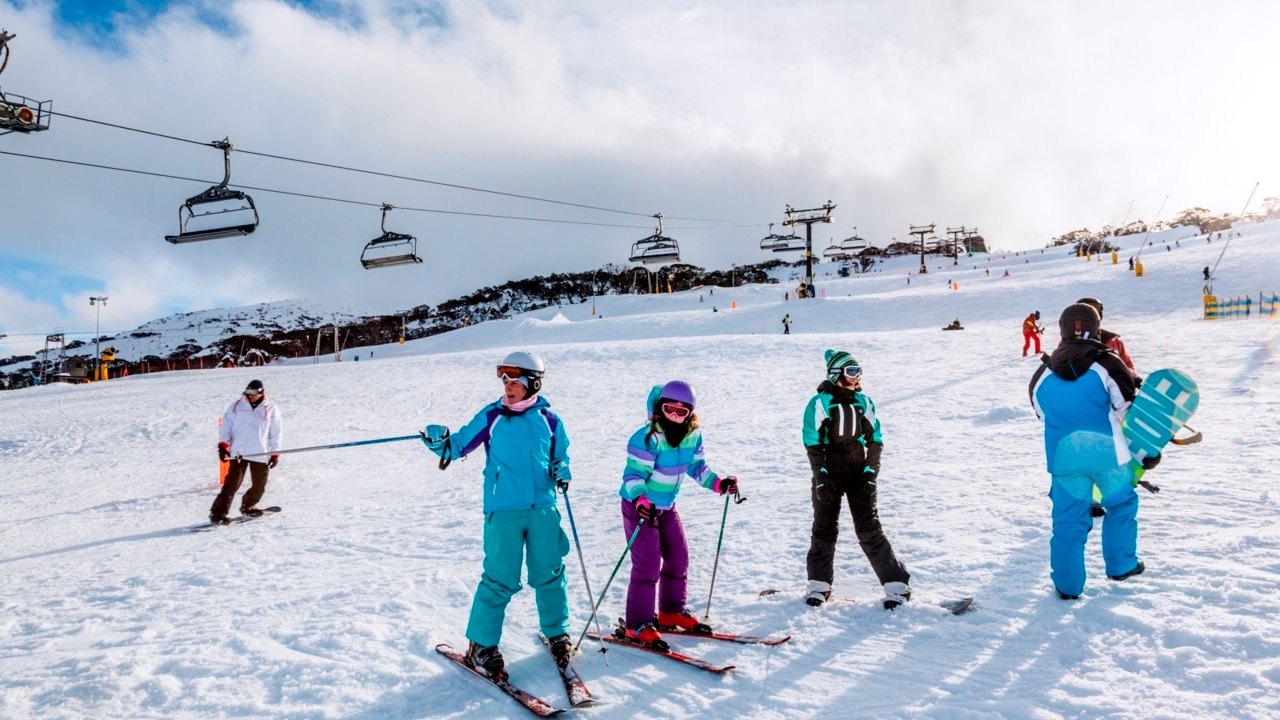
x=109 y=607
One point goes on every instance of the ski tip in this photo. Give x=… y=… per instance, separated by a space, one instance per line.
x=957 y=607
x=767 y=593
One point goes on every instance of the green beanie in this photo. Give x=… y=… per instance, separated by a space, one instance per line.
x=837 y=361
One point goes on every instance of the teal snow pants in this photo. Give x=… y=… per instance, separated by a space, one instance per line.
x=1072 y=496
x=513 y=538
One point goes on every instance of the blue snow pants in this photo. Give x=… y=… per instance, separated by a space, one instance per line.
x=1072 y=496
x=513 y=538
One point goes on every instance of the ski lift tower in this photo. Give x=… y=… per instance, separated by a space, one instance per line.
x=808 y=218
x=955 y=234
x=922 y=230
x=17 y=113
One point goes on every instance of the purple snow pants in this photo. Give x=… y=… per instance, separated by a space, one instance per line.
x=659 y=557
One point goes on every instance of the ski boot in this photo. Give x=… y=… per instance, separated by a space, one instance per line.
x=682 y=621
x=486 y=659
x=1137 y=570
x=895 y=593
x=217 y=519
x=561 y=646
x=819 y=592
x=647 y=635
x=251 y=512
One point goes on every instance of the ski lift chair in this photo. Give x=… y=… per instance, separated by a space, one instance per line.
x=390 y=248
x=853 y=244
x=217 y=197
x=656 y=249
x=19 y=114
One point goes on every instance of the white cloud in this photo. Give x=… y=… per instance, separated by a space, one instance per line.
x=1024 y=119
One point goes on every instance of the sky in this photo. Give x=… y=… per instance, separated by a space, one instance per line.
x=1023 y=120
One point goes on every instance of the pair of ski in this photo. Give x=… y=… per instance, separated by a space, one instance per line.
x=955 y=607
x=576 y=689
x=205 y=527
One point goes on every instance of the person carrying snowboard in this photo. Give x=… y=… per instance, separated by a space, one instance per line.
x=252 y=425
x=526 y=459
x=1031 y=331
x=660 y=454
x=842 y=438
x=1082 y=393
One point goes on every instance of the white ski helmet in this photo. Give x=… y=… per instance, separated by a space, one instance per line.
x=529 y=366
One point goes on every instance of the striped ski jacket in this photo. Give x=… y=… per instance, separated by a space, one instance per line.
x=841 y=432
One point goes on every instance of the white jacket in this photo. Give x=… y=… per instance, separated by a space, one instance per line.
x=250 y=430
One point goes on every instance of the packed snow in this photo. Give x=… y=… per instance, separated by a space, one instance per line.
x=111 y=607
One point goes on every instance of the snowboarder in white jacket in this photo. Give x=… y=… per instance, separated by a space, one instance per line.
x=251 y=426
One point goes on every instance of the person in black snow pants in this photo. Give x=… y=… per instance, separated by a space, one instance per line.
x=842 y=439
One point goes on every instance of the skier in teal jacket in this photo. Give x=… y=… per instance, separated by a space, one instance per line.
x=526 y=460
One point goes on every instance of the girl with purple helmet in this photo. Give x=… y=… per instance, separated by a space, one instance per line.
x=660 y=454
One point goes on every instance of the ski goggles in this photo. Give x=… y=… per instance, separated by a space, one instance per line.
x=252 y=393
x=675 y=412
x=509 y=373
x=853 y=372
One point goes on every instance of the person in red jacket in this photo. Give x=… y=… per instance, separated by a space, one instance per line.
x=1108 y=338
x=1031 y=330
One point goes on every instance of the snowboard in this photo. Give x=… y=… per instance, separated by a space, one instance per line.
x=1163 y=405
x=205 y=527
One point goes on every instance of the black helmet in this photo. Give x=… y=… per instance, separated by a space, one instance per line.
x=1079 y=321
x=1037 y=314
x=1094 y=302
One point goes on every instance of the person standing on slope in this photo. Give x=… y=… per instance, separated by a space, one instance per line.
x=526 y=460
x=252 y=425
x=660 y=454
x=842 y=438
x=1082 y=393
x=1031 y=332
x=1108 y=338
x=786 y=324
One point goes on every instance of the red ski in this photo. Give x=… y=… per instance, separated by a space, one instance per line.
x=536 y=705
x=744 y=639
x=579 y=695
x=696 y=662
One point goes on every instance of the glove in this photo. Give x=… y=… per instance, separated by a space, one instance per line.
x=869 y=474
x=1150 y=462
x=644 y=508
x=224 y=452
x=275 y=460
x=561 y=474
x=727 y=485
x=434 y=437
x=823 y=487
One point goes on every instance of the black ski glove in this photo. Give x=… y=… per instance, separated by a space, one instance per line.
x=1150 y=462
x=224 y=452
x=824 y=488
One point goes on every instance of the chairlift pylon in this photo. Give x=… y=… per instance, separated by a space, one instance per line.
x=399 y=249
x=17 y=113
x=656 y=249
x=219 y=193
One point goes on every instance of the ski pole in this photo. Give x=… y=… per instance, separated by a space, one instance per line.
x=595 y=610
x=582 y=561
x=715 y=567
x=335 y=445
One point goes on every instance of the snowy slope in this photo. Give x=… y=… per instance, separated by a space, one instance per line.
x=110 y=608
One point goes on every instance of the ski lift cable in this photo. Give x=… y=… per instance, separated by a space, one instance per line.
x=322 y=197
x=393 y=176
x=1214 y=272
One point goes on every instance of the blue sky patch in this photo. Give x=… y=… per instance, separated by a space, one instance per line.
x=44 y=283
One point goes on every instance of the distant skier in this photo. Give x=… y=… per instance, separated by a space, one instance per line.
x=252 y=425
x=842 y=439
x=1031 y=331
x=525 y=443
x=1082 y=393
x=660 y=454
x=1206 y=272
x=786 y=324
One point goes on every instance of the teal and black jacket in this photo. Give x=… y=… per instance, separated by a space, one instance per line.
x=841 y=432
